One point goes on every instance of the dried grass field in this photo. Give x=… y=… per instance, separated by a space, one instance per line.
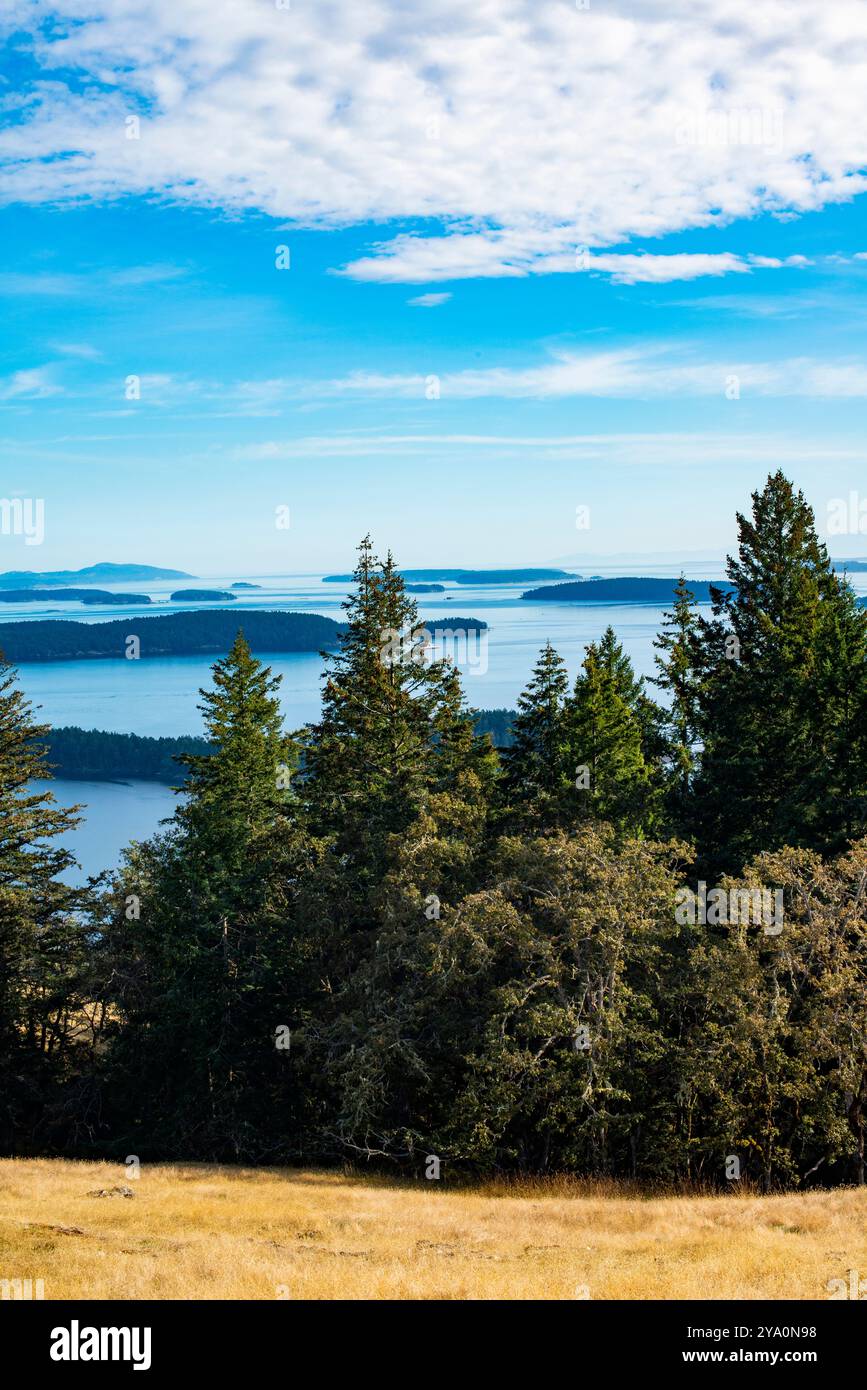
x=193 y=1232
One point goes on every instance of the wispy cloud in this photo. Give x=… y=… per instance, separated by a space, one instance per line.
x=32 y=383
x=83 y=351
x=650 y=448
x=662 y=371
x=413 y=259
x=51 y=284
x=429 y=301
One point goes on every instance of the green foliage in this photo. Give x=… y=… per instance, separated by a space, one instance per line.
x=89 y=754
x=42 y=935
x=468 y=952
x=781 y=676
x=171 y=634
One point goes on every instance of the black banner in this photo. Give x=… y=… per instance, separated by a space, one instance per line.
x=152 y=1338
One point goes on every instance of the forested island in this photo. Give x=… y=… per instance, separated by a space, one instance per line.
x=425 y=588
x=202 y=596
x=85 y=596
x=637 y=589
x=460 y=576
x=170 y=634
x=100 y=755
x=97 y=755
x=243 y=584
x=92 y=574
x=435 y=625
x=185 y=634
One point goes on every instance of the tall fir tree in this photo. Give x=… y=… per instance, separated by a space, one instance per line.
x=196 y=939
x=603 y=738
x=535 y=771
x=782 y=693
x=392 y=724
x=42 y=930
x=679 y=675
x=395 y=789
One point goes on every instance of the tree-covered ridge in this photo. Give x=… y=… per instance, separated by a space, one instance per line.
x=169 y=634
x=95 y=754
x=634 y=944
x=635 y=589
x=86 y=596
x=462 y=576
x=203 y=596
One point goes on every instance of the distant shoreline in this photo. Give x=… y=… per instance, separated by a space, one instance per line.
x=97 y=755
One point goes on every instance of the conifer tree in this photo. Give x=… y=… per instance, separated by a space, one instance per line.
x=42 y=932
x=535 y=772
x=783 y=667
x=200 y=965
x=395 y=791
x=392 y=725
x=242 y=783
x=677 y=661
x=618 y=667
x=604 y=747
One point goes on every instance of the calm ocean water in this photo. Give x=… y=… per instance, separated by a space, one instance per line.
x=159 y=696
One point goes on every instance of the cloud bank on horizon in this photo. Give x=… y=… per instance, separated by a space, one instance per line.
x=539 y=138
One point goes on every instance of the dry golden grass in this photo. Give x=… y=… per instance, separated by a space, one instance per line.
x=210 y=1232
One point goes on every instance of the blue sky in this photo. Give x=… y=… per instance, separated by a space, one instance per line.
x=475 y=335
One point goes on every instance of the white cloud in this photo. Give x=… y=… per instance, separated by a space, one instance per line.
x=638 y=448
x=412 y=259
x=37 y=283
x=525 y=131
x=51 y=284
x=83 y=351
x=32 y=383
x=429 y=301
x=633 y=374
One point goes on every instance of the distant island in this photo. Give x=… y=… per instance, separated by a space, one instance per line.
x=202 y=596
x=242 y=584
x=517 y=576
x=455 y=625
x=104 y=573
x=425 y=588
x=171 y=634
x=854 y=565
x=100 y=596
x=635 y=589
x=94 y=755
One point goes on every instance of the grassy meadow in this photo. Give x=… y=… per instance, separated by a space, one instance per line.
x=199 y=1231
